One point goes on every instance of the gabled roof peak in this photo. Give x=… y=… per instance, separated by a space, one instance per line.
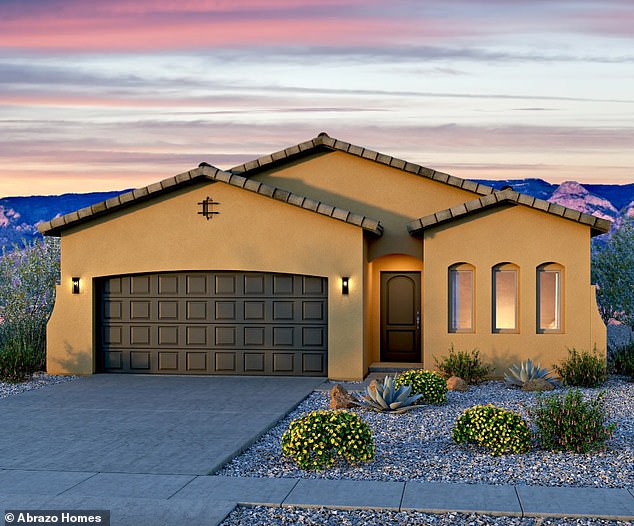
x=324 y=141
x=205 y=171
x=511 y=197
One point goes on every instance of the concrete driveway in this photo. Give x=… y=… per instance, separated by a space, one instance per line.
x=173 y=425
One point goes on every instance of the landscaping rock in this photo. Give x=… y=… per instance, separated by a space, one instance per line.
x=416 y=446
x=340 y=398
x=538 y=384
x=455 y=383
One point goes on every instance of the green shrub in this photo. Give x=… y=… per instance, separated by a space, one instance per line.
x=495 y=428
x=315 y=440
x=623 y=360
x=429 y=384
x=582 y=369
x=18 y=361
x=571 y=423
x=28 y=275
x=466 y=365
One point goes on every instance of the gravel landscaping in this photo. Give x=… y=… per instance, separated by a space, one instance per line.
x=417 y=445
x=265 y=516
x=38 y=381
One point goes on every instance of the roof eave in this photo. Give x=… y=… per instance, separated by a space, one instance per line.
x=597 y=225
x=206 y=172
x=55 y=226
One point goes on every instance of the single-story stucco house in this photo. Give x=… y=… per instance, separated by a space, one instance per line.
x=320 y=259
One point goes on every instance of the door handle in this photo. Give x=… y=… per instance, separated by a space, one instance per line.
x=418 y=320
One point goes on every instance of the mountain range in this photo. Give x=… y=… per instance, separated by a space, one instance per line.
x=19 y=216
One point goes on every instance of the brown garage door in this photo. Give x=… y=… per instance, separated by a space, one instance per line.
x=214 y=323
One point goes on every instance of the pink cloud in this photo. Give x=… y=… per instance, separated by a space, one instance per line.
x=144 y=25
x=103 y=36
x=617 y=23
x=170 y=25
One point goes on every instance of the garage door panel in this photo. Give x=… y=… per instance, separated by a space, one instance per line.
x=197 y=361
x=284 y=285
x=168 y=285
x=113 y=360
x=214 y=323
x=168 y=310
x=313 y=286
x=140 y=360
x=168 y=361
x=312 y=363
x=168 y=335
x=225 y=335
x=112 y=310
x=140 y=285
x=254 y=362
x=225 y=285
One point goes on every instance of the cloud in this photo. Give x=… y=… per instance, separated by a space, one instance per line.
x=406 y=29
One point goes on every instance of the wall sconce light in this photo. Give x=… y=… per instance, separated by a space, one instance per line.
x=75 y=285
x=345 y=285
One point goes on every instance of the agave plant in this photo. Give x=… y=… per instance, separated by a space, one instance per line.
x=519 y=374
x=387 y=397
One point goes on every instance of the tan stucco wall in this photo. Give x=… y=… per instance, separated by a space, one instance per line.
x=390 y=195
x=527 y=238
x=252 y=232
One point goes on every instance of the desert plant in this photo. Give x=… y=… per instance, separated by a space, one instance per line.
x=465 y=364
x=623 y=360
x=387 y=397
x=18 y=361
x=28 y=276
x=570 y=423
x=519 y=374
x=316 y=440
x=500 y=430
x=430 y=385
x=613 y=273
x=582 y=369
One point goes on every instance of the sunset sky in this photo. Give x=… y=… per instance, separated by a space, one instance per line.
x=106 y=95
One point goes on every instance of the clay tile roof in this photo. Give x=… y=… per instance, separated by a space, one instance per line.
x=597 y=225
x=206 y=172
x=324 y=142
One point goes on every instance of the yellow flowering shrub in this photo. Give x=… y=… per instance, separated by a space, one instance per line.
x=317 y=439
x=429 y=384
x=500 y=430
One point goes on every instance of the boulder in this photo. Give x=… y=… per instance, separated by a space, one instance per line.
x=340 y=398
x=455 y=383
x=538 y=384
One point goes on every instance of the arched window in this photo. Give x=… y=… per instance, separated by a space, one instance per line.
x=549 y=298
x=461 y=285
x=505 y=298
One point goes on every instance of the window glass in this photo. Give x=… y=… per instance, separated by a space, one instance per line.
x=505 y=283
x=549 y=300
x=461 y=300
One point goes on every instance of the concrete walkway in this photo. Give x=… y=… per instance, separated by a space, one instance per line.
x=150 y=499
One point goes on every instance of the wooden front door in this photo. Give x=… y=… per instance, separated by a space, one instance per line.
x=400 y=317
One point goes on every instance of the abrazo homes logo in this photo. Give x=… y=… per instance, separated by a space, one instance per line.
x=13 y=517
